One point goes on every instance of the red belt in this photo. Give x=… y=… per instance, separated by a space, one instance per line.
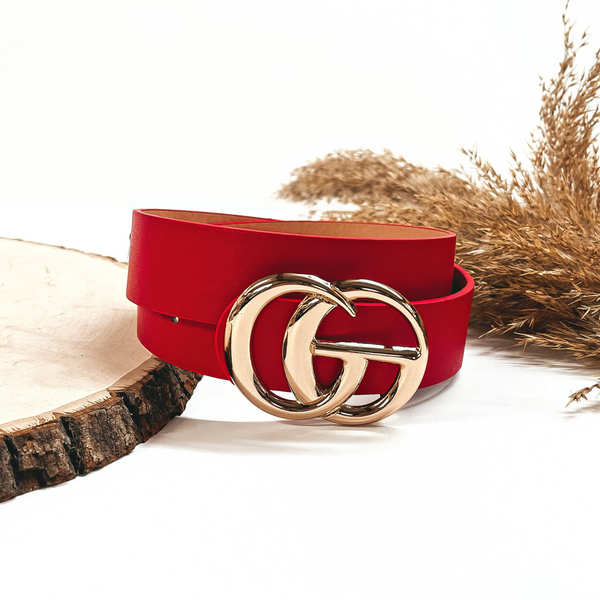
x=187 y=269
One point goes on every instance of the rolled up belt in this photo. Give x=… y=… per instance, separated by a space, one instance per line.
x=322 y=309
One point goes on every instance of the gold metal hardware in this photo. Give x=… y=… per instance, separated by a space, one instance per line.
x=300 y=345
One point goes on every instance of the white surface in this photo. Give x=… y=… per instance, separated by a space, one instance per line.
x=487 y=490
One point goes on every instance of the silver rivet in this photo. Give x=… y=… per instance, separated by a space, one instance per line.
x=174 y=319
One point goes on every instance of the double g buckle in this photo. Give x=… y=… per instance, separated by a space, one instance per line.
x=300 y=345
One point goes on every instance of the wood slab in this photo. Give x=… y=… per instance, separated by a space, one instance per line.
x=77 y=389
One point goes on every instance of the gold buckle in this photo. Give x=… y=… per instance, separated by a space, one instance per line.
x=300 y=345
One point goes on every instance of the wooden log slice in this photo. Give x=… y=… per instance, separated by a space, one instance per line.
x=77 y=389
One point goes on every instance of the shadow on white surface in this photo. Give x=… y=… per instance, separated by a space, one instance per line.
x=299 y=437
x=507 y=349
x=314 y=436
x=589 y=406
x=499 y=383
x=535 y=367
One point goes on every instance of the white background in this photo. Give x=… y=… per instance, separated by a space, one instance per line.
x=487 y=490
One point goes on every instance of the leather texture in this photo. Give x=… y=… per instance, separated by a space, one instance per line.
x=194 y=265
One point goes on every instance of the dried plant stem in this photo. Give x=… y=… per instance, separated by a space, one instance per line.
x=530 y=240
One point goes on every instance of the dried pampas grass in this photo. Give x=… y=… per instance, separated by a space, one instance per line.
x=531 y=240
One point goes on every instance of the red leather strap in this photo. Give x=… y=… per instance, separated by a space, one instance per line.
x=194 y=265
